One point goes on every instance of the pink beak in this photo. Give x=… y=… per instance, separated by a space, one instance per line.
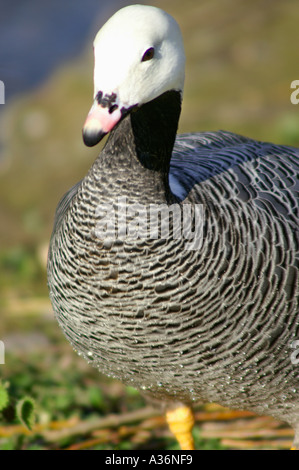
x=100 y=120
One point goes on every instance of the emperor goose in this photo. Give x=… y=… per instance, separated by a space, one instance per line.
x=172 y=263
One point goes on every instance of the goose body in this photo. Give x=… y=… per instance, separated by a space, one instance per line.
x=215 y=323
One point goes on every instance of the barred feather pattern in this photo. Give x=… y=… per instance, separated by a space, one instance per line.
x=214 y=324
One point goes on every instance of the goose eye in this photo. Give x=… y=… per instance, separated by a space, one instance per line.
x=148 y=55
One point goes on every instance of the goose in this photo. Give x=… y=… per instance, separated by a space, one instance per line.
x=172 y=264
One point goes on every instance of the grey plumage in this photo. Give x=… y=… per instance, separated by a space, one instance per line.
x=214 y=324
x=218 y=322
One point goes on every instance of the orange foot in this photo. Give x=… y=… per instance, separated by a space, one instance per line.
x=181 y=422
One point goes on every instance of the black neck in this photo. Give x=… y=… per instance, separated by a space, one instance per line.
x=147 y=135
x=154 y=127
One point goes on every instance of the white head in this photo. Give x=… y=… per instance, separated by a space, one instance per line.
x=139 y=55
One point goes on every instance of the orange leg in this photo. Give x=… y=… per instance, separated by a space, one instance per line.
x=181 y=422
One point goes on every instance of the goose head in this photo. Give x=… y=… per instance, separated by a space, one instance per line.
x=138 y=56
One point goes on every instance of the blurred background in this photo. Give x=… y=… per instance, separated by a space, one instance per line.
x=241 y=59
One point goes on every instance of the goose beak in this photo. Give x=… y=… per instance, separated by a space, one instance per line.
x=100 y=120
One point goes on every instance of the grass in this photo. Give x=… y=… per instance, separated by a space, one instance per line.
x=67 y=392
